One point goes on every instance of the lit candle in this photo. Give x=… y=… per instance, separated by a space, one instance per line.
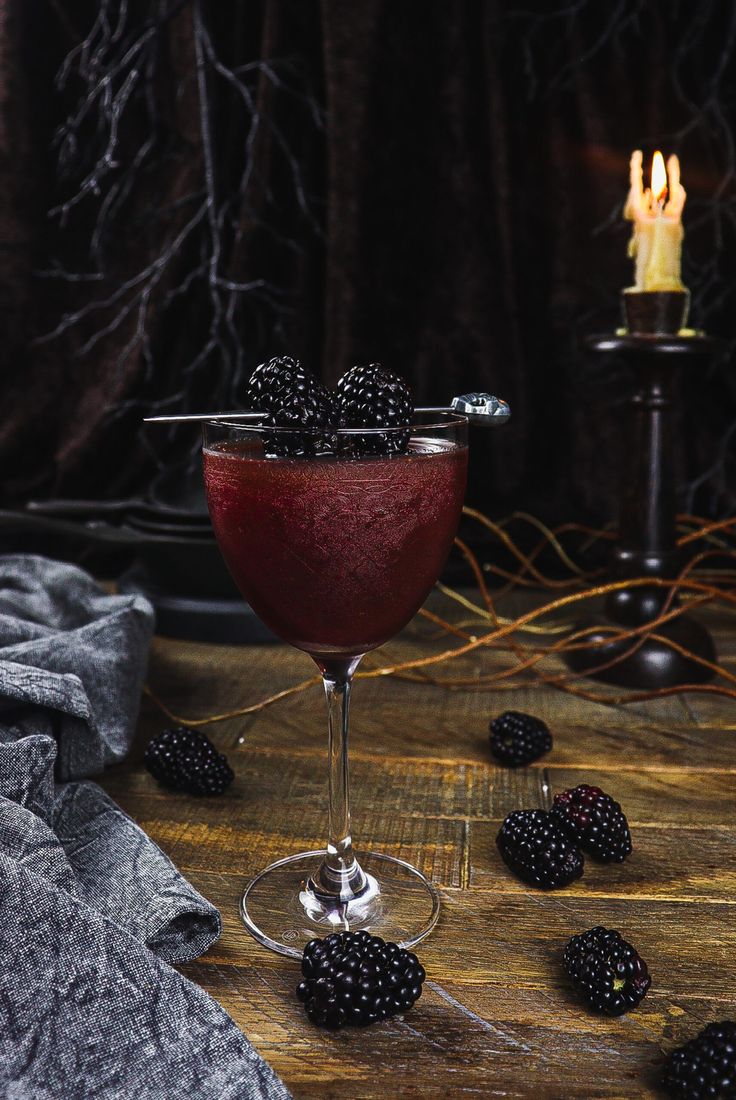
x=656 y=243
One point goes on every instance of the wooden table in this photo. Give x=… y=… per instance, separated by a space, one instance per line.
x=497 y=1017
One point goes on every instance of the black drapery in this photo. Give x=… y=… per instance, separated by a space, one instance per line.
x=438 y=186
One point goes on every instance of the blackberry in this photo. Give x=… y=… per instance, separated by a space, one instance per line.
x=595 y=821
x=356 y=978
x=270 y=376
x=373 y=397
x=538 y=851
x=704 y=1068
x=291 y=397
x=606 y=970
x=186 y=760
x=518 y=739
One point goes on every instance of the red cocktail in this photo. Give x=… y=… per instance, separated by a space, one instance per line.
x=336 y=554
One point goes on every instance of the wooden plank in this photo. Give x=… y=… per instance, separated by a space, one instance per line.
x=270 y=779
x=403 y=721
x=245 y=840
x=694 y=864
x=713 y=713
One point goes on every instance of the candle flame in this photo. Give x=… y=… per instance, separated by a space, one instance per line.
x=659 y=178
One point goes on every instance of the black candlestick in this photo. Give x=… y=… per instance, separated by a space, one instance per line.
x=647 y=545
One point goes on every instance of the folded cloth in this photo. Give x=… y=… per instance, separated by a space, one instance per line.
x=72 y=661
x=123 y=874
x=91 y=910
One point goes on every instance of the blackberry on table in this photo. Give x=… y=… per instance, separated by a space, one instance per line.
x=606 y=971
x=292 y=397
x=536 y=849
x=373 y=397
x=704 y=1068
x=518 y=739
x=356 y=978
x=186 y=760
x=596 y=821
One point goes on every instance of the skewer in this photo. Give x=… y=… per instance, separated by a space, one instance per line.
x=480 y=408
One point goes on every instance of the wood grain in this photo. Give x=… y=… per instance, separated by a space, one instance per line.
x=497 y=1017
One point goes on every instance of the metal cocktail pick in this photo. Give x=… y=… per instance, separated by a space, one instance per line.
x=480 y=408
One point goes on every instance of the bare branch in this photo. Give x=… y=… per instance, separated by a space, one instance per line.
x=122 y=143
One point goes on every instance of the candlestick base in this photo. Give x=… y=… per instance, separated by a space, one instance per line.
x=646 y=663
x=647 y=542
x=655 y=312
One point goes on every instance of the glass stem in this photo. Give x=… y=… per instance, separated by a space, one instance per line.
x=340 y=873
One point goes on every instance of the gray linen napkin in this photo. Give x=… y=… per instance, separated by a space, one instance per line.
x=91 y=910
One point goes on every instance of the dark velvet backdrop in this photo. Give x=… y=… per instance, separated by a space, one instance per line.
x=435 y=185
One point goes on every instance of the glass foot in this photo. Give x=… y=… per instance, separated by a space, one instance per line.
x=283 y=910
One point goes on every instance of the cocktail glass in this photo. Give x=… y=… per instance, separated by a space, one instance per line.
x=336 y=555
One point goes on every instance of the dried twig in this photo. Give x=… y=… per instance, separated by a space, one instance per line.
x=538 y=662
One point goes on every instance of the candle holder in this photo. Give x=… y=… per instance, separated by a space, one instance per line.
x=647 y=545
x=655 y=312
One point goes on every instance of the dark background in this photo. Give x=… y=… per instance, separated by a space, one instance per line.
x=189 y=188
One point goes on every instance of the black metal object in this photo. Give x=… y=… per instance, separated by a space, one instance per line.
x=161 y=546
x=199 y=618
x=647 y=544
